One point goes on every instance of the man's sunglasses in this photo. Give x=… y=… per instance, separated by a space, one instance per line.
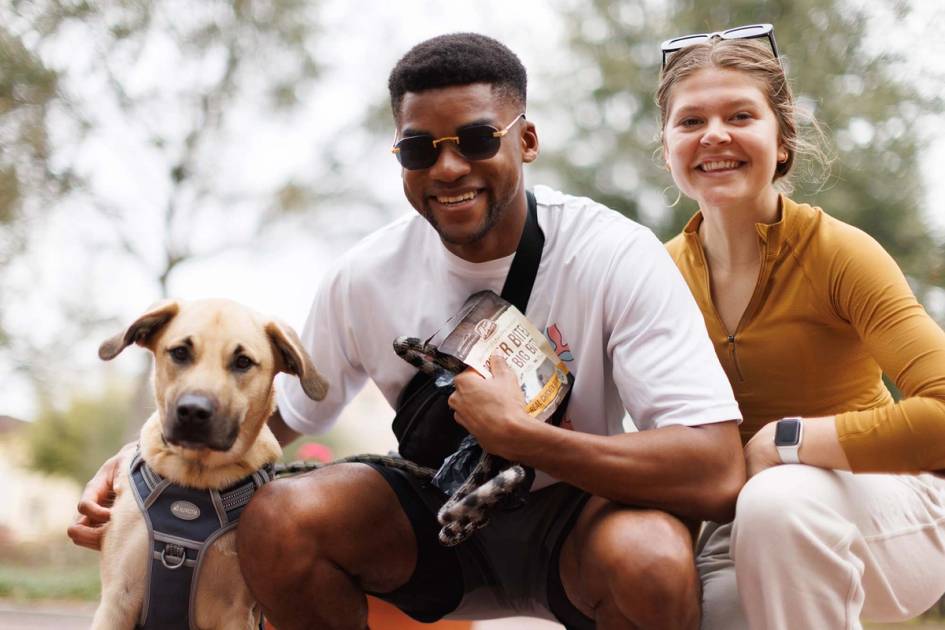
x=751 y=31
x=476 y=142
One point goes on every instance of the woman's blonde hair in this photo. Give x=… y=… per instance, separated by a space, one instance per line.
x=755 y=59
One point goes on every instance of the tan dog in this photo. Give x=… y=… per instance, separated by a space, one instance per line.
x=214 y=367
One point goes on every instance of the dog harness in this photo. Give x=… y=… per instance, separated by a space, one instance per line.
x=182 y=524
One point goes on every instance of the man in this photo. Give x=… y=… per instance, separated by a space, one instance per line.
x=600 y=547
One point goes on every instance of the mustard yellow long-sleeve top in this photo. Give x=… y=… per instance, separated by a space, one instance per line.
x=831 y=311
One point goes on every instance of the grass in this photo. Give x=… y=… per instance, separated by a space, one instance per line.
x=55 y=570
x=27 y=583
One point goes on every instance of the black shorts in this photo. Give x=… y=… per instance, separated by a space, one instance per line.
x=510 y=567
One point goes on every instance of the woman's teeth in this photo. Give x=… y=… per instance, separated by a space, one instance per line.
x=717 y=166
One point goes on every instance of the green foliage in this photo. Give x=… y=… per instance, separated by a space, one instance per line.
x=74 y=441
x=50 y=582
x=612 y=153
x=27 y=87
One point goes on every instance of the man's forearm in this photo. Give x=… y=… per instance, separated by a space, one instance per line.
x=281 y=430
x=690 y=471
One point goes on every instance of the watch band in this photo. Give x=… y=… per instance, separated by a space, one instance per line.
x=787 y=439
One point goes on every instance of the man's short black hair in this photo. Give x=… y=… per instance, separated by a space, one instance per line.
x=457 y=59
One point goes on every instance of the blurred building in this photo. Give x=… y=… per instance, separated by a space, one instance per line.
x=33 y=507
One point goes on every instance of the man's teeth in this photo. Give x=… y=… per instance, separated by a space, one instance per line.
x=716 y=166
x=457 y=198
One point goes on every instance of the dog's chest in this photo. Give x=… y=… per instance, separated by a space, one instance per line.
x=193 y=573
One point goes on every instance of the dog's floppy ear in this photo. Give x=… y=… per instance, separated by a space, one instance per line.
x=140 y=330
x=292 y=359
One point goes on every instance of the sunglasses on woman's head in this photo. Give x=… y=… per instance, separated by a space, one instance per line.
x=476 y=142
x=751 y=31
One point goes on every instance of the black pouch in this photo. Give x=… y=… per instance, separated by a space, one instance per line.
x=423 y=425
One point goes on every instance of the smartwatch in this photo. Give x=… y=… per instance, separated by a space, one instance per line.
x=787 y=439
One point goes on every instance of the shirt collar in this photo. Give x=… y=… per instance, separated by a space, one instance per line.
x=773 y=235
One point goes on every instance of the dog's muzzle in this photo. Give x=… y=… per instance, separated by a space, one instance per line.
x=195 y=422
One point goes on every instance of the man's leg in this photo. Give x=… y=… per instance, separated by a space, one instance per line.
x=311 y=545
x=631 y=568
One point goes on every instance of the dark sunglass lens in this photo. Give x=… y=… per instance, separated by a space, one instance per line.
x=478 y=143
x=417 y=153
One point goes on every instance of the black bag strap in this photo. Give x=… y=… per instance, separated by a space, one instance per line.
x=521 y=277
x=518 y=282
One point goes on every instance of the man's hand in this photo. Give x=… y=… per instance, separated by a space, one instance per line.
x=490 y=409
x=95 y=503
x=760 y=452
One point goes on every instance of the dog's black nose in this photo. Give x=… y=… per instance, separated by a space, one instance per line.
x=194 y=409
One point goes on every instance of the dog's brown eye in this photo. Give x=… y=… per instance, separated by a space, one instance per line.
x=180 y=354
x=242 y=363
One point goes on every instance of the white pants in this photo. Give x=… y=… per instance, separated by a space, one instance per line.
x=818 y=549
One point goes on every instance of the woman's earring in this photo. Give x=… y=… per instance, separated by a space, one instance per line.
x=678 y=197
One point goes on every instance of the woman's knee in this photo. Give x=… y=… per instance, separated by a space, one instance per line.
x=784 y=509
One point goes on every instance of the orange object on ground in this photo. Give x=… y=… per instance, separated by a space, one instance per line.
x=385 y=616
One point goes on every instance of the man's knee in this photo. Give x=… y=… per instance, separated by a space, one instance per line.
x=272 y=538
x=658 y=573
x=645 y=567
x=330 y=517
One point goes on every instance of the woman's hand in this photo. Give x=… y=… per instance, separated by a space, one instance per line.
x=95 y=503
x=820 y=446
x=490 y=409
x=760 y=452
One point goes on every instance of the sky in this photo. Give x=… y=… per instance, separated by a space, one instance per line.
x=362 y=41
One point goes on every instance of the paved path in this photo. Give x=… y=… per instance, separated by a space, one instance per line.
x=65 y=616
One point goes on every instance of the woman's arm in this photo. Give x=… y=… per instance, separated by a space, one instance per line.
x=870 y=291
x=819 y=447
x=867 y=289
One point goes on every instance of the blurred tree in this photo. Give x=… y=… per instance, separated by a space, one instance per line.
x=131 y=122
x=168 y=84
x=73 y=442
x=27 y=87
x=852 y=85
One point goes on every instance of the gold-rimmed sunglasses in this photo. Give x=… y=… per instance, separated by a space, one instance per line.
x=750 y=31
x=475 y=142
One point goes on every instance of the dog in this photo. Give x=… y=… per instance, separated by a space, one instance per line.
x=214 y=364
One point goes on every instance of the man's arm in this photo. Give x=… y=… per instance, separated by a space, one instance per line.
x=96 y=502
x=690 y=471
x=283 y=432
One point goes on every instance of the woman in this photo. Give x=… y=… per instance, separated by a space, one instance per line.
x=805 y=313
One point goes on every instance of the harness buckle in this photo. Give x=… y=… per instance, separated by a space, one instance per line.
x=173 y=556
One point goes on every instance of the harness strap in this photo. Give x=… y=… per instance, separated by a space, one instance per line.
x=182 y=524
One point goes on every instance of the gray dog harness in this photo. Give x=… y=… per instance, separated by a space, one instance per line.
x=182 y=524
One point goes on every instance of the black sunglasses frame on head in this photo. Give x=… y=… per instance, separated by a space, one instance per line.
x=749 y=31
x=476 y=142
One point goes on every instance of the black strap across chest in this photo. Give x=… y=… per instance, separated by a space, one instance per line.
x=182 y=524
x=424 y=426
x=521 y=277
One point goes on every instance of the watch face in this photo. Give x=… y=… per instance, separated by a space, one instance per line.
x=788 y=433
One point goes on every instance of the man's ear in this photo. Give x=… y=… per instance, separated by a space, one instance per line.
x=291 y=358
x=141 y=331
x=530 y=144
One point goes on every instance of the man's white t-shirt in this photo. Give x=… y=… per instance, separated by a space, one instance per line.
x=607 y=295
